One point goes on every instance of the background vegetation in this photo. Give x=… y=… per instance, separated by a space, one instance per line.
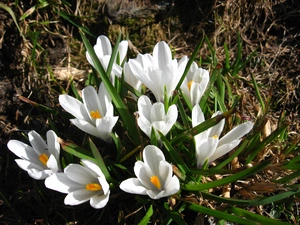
x=41 y=49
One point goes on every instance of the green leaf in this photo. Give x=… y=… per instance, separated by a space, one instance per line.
x=174 y=154
x=99 y=161
x=241 y=175
x=147 y=216
x=255 y=217
x=127 y=118
x=220 y=215
x=255 y=202
x=190 y=133
x=76 y=150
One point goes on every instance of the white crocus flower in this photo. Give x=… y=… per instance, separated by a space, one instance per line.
x=159 y=72
x=41 y=159
x=209 y=145
x=103 y=51
x=195 y=83
x=154 y=176
x=82 y=184
x=154 y=116
x=95 y=115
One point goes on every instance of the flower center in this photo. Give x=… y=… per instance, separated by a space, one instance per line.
x=95 y=114
x=215 y=136
x=155 y=181
x=190 y=84
x=44 y=159
x=93 y=187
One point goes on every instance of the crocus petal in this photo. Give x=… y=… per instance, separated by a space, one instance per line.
x=80 y=174
x=143 y=173
x=103 y=46
x=218 y=128
x=52 y=164
x=99 y=201
x=86 y=127
x=173 y=186
x=78 y=197
x=205 y=150
x=162 y=53
x=91 y=101
x=152 y=155
x=157 y=112
x=61 y=183
x=144 y=106
x=21 y=150
x=165 y=172
x=144 y=125
x=133 y=186
x=105 y=126
x=236 y=133
x=197 y=116
x=93 y=167
x=39 y=174
x=53 y=145
x=73 y=106
x=26 y=165
x=37 y=142
x=122 y=49
x=224 y=149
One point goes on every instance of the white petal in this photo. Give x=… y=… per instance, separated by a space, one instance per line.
x=105 y=126
x=152 y=155
x=133 y=186
x=26 y=165
x=218 y=128
x=99 y=201
x=92 y=166
x=73 y=106
x=144 y=125
x=157 y=112
x=22 y=150
x=39 y=174
x=79 y=196
x=236 y=133
x=86 y=127
x=61 y=183
x=165 y=173
x=144 y=107
x=91 y=101
x=53 y=164
x=173 y=186
x=53 y=145
x=224 y=149
x=205 y=150
x=103 y=46
x=123 y=47
x=37 y=142
x=155 y=194
x=197 y=116
x=80 y=174
x=162 y=54
x=143 y=173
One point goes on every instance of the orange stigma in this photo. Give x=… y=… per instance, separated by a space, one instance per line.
x=93 y=187
x=44 y=159
x=95 y=114
x=155 y=181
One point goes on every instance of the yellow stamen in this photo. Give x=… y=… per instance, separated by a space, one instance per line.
x=155 y=181
x=190 y=84
x=93 y=187
x=95 y=114
x=215 y=136
x=44 y=159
